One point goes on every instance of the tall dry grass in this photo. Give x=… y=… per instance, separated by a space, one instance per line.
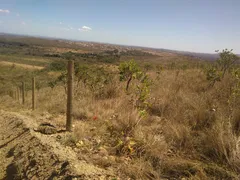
x=189 y=131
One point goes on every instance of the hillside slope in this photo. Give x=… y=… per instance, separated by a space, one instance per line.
x=26 y=154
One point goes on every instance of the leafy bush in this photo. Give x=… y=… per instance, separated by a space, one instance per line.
x=213 y=75
x=61 y=80
x=57 y=66
x=96 y=79
x=226 y=61
x=129 y=70
x=108 y=58
x=143 y=92
x=223 y=64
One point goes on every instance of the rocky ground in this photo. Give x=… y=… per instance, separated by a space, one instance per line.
x=27 y=152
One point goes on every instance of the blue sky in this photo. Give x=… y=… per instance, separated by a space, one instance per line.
x=190 y=25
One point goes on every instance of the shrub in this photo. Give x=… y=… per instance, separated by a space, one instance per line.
x=223 y=64
x=57 y=66
x=96 y=79
x=226 y=61
x=61 y=80
x=128 y=71
x=143 y=92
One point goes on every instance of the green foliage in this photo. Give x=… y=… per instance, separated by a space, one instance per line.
x=223 y=64
x=57 y=66
x=98 y=78
x=94 y=78
x=236 y=88
x=68 y=55
x=61 y=80
x=226 y=60
x=81 y=73
x=108 y=58
x=52 y=84
x=143 y=92
x=213 y=75
x=129 y=70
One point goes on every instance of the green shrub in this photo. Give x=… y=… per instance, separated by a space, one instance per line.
x=57 y=66
x=224 y=64
x=128 y=71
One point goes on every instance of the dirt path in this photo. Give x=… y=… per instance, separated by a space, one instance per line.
x=26 y=66
x=26 y=154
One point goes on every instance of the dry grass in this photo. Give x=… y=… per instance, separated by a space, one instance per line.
x=190 y=131
x=21 y=65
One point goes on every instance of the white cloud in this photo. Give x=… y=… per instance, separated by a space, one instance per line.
x=17 y=15
x=23 y=23
x=60 y=22
x=85 y=28
x=4 y=11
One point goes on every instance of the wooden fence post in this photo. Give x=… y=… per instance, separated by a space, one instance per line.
x=20 y=92
x=17 y=94
x=11 y=94
x=23 y=93
x=69 y=95
x=33 y=93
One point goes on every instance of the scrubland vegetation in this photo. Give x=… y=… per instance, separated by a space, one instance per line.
x=147 y=120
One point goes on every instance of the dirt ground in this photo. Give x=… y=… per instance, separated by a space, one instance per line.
x=20 y=65
x=27 y=154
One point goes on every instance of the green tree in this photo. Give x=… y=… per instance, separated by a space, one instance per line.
x=129 y=70
x=226 y=61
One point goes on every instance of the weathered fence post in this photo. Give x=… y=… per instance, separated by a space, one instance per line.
x=69 y=95
x=20 y=92
x=23 y=93
x=33 y=93
x=17 y=95
x=11 y=94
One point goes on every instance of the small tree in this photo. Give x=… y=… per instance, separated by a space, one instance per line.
x=226 y=61
x=82 y=73
x=143 y=92
x=128 y=71
x=213 y=75
x=57 y=66
x=61 y=80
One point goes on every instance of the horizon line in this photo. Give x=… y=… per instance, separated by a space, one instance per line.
x=137 y=46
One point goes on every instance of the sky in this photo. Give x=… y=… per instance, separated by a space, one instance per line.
x=188 y=25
